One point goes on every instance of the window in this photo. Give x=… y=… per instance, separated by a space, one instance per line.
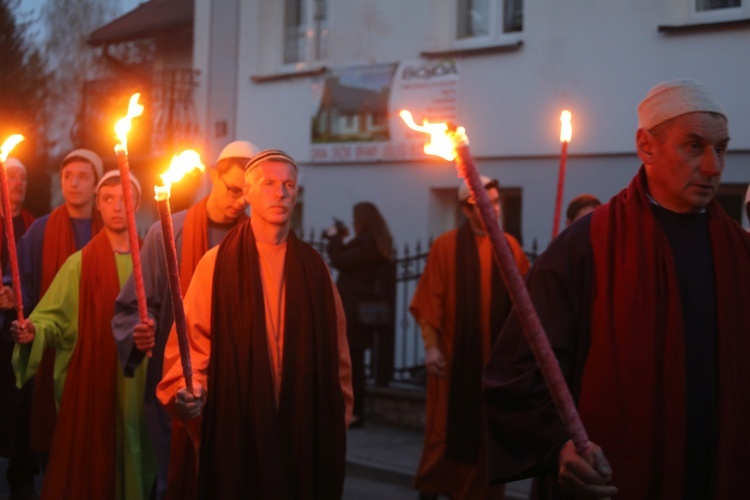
x=476 y=19
x=704 y=5
x=704 y=11
x=305 y=31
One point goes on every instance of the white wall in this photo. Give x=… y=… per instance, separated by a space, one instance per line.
x=595 y=58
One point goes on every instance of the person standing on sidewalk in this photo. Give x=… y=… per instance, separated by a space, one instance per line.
x=366 y=275
x=460 y=305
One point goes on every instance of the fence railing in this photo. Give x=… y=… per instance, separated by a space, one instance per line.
x=397 y=353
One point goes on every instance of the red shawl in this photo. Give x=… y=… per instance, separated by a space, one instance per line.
x=59 y=244
x=195 y=240
x=633 y=390
x=82 y=457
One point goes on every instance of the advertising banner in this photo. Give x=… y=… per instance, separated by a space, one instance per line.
x=355 y=109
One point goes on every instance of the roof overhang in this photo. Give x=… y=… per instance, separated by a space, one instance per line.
x=149 y=20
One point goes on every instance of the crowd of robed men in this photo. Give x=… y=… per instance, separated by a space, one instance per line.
x=644 y=302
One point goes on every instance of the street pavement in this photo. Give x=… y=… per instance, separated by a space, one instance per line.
x=381 y=461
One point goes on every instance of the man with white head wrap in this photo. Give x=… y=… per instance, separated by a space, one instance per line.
x=196 y=229
x=645 y=304
x=100 y=447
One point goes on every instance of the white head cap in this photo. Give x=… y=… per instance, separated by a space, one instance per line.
x=464 y=193
x=238 y=149
x=14 y=163
x=670 y=99
x=275 y=155
x=116 y=173
x=86 y=155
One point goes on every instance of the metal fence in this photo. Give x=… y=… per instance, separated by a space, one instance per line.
x=396 y=356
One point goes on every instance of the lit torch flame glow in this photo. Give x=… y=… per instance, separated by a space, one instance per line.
x=8 y=146
x=566 y=129
x=181 y=165
x=122 y=127
x=443 y=139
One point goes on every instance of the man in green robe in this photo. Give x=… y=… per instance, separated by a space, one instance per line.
x=100 y=448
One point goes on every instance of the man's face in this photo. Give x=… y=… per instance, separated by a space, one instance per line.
x=16 y=186
x=227 y=194
x=110 y=202
x=684 y=160
x=271 y=191
x=78 y=183
x=475 y=218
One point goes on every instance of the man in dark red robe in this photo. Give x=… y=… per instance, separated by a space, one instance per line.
x=645 y=304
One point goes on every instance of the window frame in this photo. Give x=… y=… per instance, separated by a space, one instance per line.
x=717 y=15
x=313 y=51
x=495 y=28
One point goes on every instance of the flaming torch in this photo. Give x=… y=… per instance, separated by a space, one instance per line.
x=181 y=164
x=122 y=127
x=451 y=143
x=566 y=132
x=5 y=150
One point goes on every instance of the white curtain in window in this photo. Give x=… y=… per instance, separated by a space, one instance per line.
x=473 y=18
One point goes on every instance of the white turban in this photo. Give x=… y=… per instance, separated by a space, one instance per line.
x=86 y=155
x=238 y=149
x=14 y=163
x=116 y=173
x=670 y=99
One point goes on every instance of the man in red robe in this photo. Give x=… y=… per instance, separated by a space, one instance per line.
x=14 y=433
x=645 y=302
x=460 y=305
x=271 y=370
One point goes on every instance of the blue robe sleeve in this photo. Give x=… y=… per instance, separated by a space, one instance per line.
x=126 y=318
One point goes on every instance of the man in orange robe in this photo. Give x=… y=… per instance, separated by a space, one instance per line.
x=197 y=229
x=460 y=305
x=271 y=370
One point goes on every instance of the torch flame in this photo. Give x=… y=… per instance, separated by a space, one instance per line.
x=443 y=139
x=122 y=127
x=8 y=146
x=182 y=164
x=566 y=130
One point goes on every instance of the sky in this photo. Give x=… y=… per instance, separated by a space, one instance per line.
x=34 y=7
